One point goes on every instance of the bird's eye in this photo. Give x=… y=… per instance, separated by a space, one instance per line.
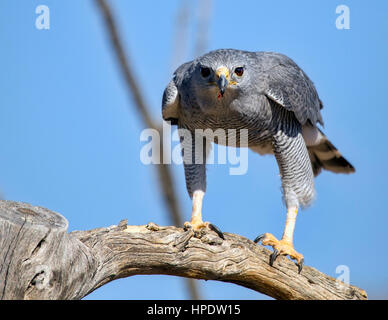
x=239 y=71
x=205 y=72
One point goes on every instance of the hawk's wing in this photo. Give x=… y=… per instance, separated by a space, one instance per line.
x=171 y=98
x=170 y=103
x=287 y=84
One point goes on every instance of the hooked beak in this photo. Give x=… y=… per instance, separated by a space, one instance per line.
x=222 y=74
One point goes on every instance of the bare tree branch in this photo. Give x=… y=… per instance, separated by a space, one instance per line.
x=165 y=178
x=40 y=260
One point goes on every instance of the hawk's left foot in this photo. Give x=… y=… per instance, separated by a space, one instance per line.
x=282 y=247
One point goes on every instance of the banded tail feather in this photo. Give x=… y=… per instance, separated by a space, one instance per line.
x=324 y=155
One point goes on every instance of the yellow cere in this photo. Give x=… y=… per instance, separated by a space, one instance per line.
x=222 y=71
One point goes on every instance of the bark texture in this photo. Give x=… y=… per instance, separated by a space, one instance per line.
x=39 y=259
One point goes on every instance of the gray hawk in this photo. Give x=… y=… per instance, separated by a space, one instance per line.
x=270 y=96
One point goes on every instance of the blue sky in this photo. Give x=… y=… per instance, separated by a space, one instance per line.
x=69 y=137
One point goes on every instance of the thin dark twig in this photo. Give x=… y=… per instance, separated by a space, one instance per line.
x=204 y=15
x=181 y=34
x=126 y=68
x=165 y=178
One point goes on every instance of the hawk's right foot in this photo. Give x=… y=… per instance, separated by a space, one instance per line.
x=196 y=223
x=198 y=226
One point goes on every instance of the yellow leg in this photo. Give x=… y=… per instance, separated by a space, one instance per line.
x=196 y=215
x=288 y=233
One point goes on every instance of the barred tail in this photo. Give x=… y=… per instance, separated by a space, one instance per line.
x=325 y=155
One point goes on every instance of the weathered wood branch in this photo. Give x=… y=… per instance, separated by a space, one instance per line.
x=41 y=260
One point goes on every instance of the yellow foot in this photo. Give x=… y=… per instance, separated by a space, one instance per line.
x=282 y=247
x=198 y=225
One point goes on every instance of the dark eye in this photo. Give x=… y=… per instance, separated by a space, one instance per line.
x=239 y=71
x=205 y=72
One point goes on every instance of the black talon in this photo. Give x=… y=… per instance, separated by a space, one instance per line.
x=300 y=265
x=216 y=230
x=273 y=257
x=259 y=238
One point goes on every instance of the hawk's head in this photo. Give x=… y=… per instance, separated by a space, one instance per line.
x=219 y=77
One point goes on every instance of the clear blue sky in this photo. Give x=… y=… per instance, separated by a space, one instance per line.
x=69 y=142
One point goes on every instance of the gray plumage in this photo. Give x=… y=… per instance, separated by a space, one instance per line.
x=274 y=99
